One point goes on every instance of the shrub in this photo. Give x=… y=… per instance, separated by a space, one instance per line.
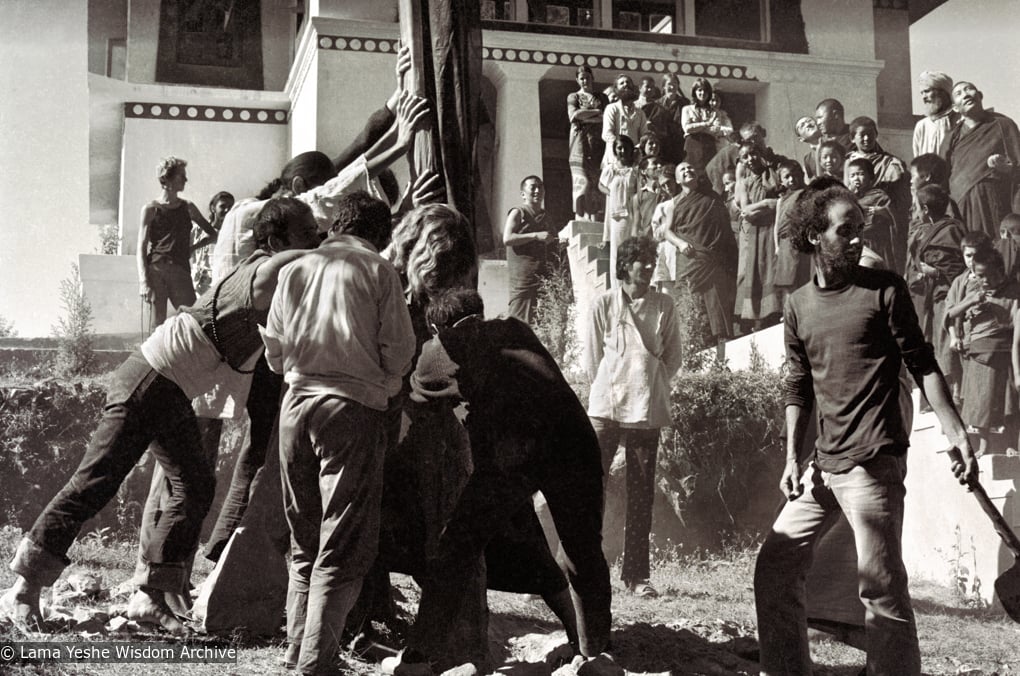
x=44 y=430
x=7 y=329
x=75 y=355
x=109 y=239
x=555 y=326
x=721 y=461
x=695 y=332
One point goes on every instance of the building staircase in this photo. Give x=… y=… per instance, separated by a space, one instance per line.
x=589 y=264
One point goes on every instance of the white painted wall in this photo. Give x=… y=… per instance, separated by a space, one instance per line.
x=839 y=28
x=237 y=157
x=974 y=41
x=107 y=19
x=44 y=132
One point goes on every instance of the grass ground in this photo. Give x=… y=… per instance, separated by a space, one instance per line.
x=704 y=614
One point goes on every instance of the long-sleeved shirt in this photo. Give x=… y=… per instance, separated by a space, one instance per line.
x=617 y=122
x=237 y=236
x=844 y=347
x=632 y=350
x=339 y=324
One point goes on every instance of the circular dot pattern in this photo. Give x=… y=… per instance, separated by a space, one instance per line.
x=568 y=58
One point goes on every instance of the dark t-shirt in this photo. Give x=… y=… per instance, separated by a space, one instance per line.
x=844 y=348
x=170 y=235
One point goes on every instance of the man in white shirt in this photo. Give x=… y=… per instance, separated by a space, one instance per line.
x=937 y=97
x=340 y=333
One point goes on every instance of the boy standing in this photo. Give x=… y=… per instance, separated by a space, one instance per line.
x=934 y=262
x=990 y=348
x=879 y=220
x=529 y=240
x=964 y=285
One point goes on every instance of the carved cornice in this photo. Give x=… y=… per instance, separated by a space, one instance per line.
x=192 y=112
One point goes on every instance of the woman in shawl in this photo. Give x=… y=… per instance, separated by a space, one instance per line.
x=585 y=108
x=696 y=223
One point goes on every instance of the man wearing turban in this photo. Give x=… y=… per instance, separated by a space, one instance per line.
x=937 y=96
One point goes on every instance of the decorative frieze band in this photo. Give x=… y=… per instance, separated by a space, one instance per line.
x=202 y=113
x=557 y=58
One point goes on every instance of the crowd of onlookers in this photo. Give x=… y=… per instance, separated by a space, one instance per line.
x=651 y=163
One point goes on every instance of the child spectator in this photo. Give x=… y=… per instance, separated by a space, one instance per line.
x=619 y=181
x=1008 y=245
x=925 y=170
x=831 y=156
x=879 y=220
x=664 y=277
x=792 y=268
x=990 y=350
x=648 y=195
x=201 y=265
x=934 y=261
x=964 y=285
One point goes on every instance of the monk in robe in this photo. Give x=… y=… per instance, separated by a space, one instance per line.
x=879 y=218
x=983 y=153
x=697 y=224
x=757 y=193
x=935 y=260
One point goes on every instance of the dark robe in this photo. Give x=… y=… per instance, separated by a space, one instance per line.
x=879 y=224
x=983 y=194
x=938 y=245
x=793 y=268
x=756 y=294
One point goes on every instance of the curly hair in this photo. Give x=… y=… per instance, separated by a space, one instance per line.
x=809 y=217
x=634 y=249
x=361 y=215
x=275 y=217
x=433 y=248
x=168 y=167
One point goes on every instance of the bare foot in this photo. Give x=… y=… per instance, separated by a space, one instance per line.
x=149 y=607
x=22 y=607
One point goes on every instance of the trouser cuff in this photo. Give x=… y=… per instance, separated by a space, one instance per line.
x=37 y=565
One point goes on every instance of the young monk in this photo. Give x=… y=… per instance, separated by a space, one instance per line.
x=991 y=351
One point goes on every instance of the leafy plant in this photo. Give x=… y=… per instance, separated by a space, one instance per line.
x=7 y=329
x=723 y=452
x=556 y=327
x=75 y=353
x=44 y=430
x=109 y=239
x=695 y=332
